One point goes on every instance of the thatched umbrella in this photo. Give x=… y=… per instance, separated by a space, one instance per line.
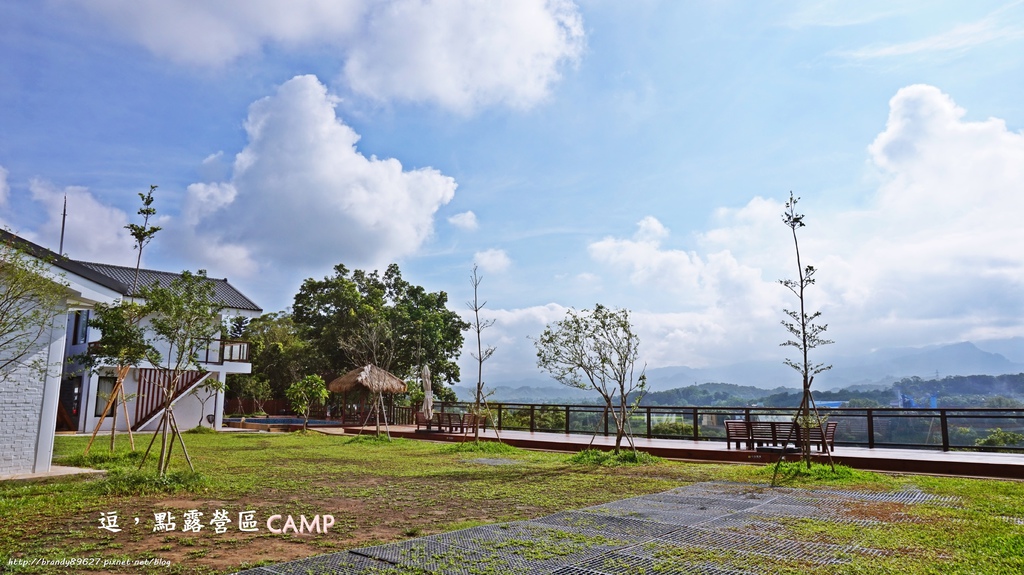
x=369 y=377
x=373 y=379
x=428 y=393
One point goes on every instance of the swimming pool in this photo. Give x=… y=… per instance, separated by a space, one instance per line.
x=276 y=423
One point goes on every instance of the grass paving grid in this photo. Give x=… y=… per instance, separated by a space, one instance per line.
x=692 y=529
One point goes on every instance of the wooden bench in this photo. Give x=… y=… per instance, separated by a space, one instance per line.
x=423 y=421
x=473 y=421
x=774 y=433
x=737 y=430
x=777 y=433
x=826 y=441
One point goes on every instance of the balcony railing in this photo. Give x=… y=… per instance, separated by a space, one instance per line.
x=218 y=351
x=913 y=428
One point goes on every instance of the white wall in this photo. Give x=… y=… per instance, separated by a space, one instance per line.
x=28 y=407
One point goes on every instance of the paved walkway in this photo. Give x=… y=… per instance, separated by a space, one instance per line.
x=707 y=528
x=55 y=471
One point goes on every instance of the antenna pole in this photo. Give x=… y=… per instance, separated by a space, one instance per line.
x=63 y=220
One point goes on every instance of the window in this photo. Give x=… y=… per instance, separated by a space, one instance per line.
x=81 y=328
x=103 y=390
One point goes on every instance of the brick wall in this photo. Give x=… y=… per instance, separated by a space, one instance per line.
x=21 y=400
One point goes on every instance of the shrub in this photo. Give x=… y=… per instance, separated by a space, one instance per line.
x=673 y=428
x=999 y=438
x=611 y=459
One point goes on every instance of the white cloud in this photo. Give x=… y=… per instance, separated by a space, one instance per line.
x=301 y=194
x=839 y=14
x=960 y=38
x=933 y=256
x=464 y=54
x=492 y=260
x=514 y=356
x=459 y=54
x=216 y=33
x=464 y=221
x=93 y=231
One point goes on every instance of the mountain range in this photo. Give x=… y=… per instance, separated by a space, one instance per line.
x=876 y=369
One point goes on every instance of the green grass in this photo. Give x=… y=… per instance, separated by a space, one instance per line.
x=482 y=447
x=380 y=490
x=612 y=459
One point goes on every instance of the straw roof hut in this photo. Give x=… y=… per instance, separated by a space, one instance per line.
x=369 y=377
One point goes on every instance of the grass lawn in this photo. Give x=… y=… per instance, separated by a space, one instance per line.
x=388 y=491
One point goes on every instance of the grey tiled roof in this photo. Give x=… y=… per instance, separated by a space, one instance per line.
x=62 y=262
x=223 y=291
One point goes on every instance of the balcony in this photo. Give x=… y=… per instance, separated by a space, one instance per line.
x=218 y=351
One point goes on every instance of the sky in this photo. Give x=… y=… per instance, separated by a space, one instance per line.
x=633 y=154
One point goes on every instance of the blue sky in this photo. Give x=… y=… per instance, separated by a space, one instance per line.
x=635 y=154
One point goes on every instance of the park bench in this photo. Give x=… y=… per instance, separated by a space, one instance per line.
x=777 y=433
x=423 y=421
x=737 y=430
x=774 y=433
x=826 y=441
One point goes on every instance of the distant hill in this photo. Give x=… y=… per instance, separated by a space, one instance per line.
x=866 y=373
x=529 y=394
x=711 y=394
x=879 y=368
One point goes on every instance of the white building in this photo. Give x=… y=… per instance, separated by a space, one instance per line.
x=33 y=407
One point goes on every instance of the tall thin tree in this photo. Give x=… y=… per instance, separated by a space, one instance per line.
x=482 y=354
x=805 y=330
x=123 y=340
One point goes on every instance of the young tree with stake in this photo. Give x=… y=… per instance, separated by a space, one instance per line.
x=596 y=350
x=123 y=342
x=184 y=316
x=806 y=332
x=481 y=354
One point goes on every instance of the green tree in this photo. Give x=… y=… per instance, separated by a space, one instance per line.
x=123 y=344
x=256 y=388
x=304 y=394
x=143 y=234
x=31 y=296
x=204 y=392
x=183 y=316
x=278 y=353
x=1002 y=402
x=804 y=327
x=596 y=350
x=354 y=318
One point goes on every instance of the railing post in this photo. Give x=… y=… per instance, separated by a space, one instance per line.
x=567 y=420
x=532 y=418
x=648 y=422
x=499 y=427
x=945 y=429
x=871 y=428
x=606 y=412
x=696 y=426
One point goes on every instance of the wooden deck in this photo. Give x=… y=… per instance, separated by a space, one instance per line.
x=960 y=463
